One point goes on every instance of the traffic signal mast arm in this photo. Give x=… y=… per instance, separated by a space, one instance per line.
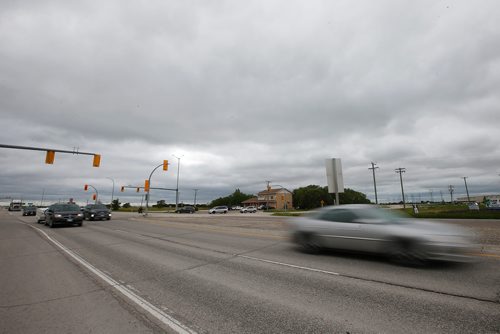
x=155 y=188
x=49 y=159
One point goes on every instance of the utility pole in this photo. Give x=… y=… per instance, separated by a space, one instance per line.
x=466 y=189
x=267 y=195
x=400 y=171
x=451 y=189
x=112 y=192
x=195 y=191
x=374 y=182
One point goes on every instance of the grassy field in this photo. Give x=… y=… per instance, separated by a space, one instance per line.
x=455 y=211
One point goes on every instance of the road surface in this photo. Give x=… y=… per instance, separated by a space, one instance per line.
x=224 y=274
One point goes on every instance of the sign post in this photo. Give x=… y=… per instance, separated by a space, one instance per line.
x=334 y=177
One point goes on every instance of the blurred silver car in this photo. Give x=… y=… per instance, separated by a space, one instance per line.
x=367 y=228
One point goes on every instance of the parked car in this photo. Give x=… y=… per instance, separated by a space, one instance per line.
x=186 y=209
x=236 y=208
x=249 y=209
x=96 y=211
x=58 y=214
x=370 y=229
x=40 y=215
x=29 y=210
x=264 y=207
x=218 y=209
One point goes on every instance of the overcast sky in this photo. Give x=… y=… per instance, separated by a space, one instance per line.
x=249 y=91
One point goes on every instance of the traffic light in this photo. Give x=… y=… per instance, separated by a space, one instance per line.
x=94 y=197
x=165 y=164
x=146 y=186
x=122 y=189
x=49 y=158
x=97 y=160
x=86 y=187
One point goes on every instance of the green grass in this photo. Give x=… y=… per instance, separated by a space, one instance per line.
x=287 y=214
x=454 y=211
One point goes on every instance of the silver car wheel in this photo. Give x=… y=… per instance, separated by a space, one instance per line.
x=407 y=252
x=308 y=242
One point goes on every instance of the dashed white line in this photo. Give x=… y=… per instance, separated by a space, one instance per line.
x=289 y=265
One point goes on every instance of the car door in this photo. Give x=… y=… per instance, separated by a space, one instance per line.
x=338 y=229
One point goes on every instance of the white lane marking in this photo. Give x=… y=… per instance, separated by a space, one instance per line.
x=289 y=265
x=166 y=319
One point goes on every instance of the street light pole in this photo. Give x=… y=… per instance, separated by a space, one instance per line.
x=112 y=191
x=177 y=187
x=401 y=171
x=374 y=182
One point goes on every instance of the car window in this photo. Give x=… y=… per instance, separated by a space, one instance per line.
x=382 y=215
x=343 y=216
x=65 y=207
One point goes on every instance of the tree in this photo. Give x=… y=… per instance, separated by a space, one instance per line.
x=115 y=204
x=310 y=197
x=236 y=198
x=350 y=196
x=161 y=204
x=126 y=205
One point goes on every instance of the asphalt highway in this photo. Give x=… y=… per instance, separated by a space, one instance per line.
x=224 y=274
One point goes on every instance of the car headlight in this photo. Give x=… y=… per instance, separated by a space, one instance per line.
x=57 y=215
x=109 y=214
x=80 y=214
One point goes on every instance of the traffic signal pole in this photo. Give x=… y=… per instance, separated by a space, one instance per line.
x=49 y=159
x=165 y=167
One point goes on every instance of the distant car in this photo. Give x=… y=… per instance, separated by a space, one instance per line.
x=59 y=214
x=186 y=209
x=29 y=210
x=40 y=215
x=366 y=228
x=218 y=209
x=248 y=209
x=96 y=211
x=493 y=204
x=236 y=207
x=264 y=207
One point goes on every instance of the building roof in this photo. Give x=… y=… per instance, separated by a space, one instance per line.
x=272 y=191
x=250 y=200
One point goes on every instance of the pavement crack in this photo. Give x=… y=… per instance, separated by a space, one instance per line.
x=50 y=300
